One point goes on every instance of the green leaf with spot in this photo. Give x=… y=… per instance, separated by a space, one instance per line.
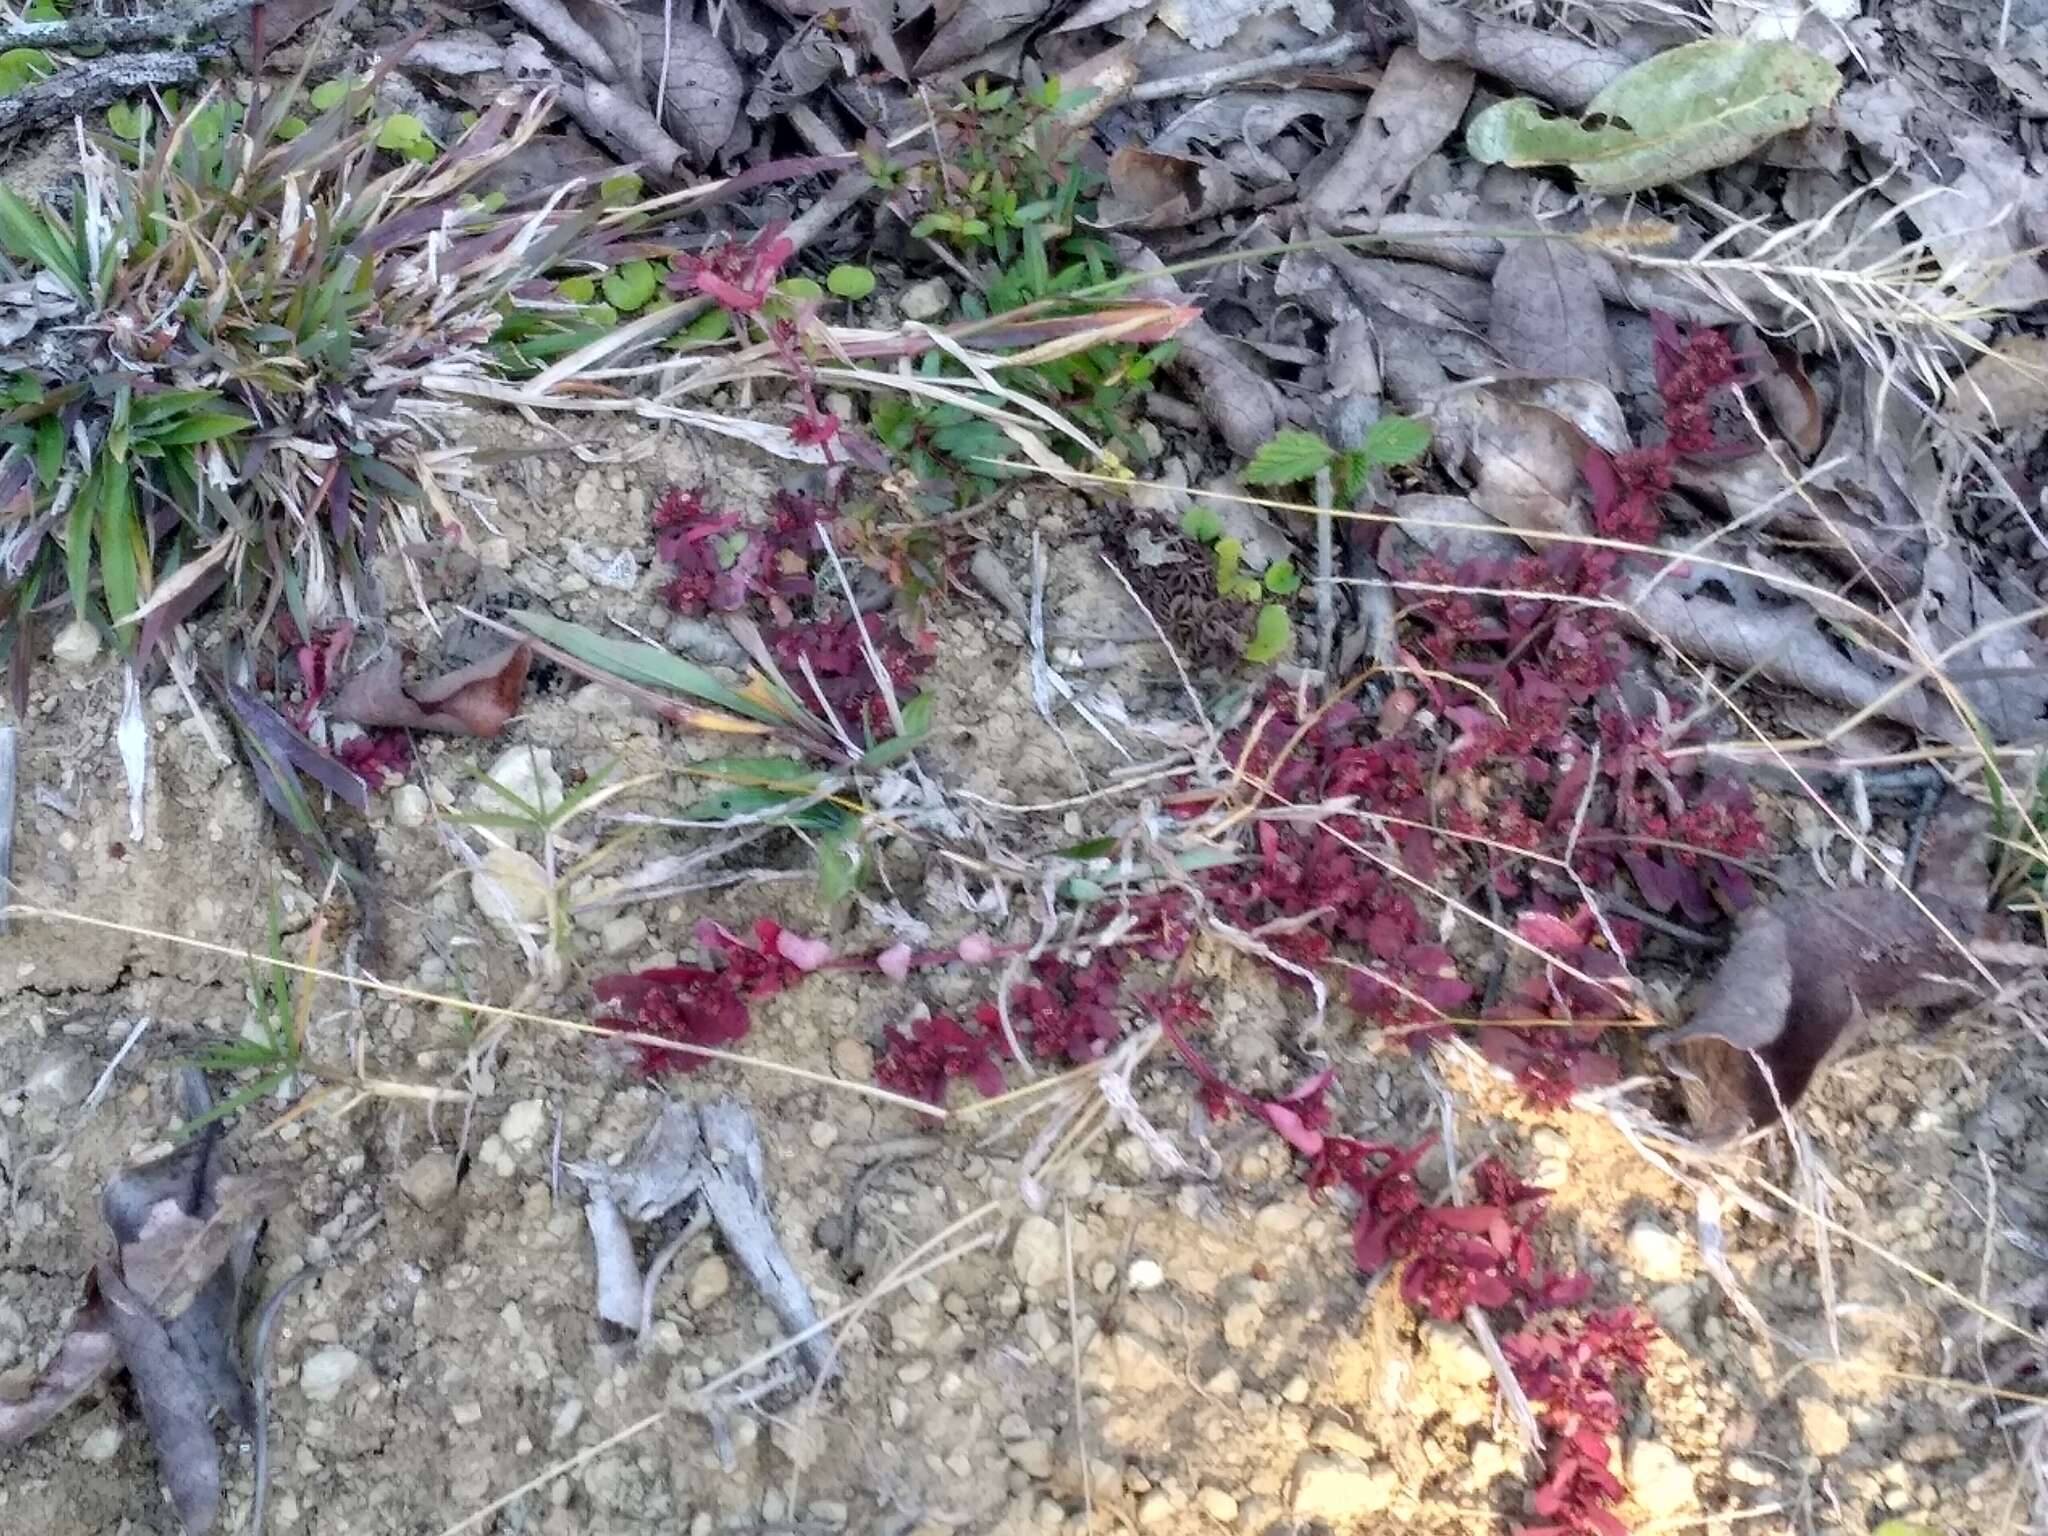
x=1396 y=440
x=629 y=287
x=1289 y=457
x=850 y=282
x=1271 y=636
x=581 y=289
x=1687 y=110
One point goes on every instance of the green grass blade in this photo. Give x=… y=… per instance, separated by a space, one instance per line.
x=648 y=665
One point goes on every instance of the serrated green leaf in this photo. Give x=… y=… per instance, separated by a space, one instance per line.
x=850 y=282
x=1271 y=636
x=1202 y=524
x=629 y=287
x=1396 y=440
x=1687 y=110
x=1289 y=457
x=1282 y=578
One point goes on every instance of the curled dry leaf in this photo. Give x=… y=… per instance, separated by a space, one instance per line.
x=1212 y=23
x=1249 y=117
x=475 y=700
x=1523 y=460
x=976 y=25
x=1548 y=317
x=1556 y=67
x=695 y=83
x=1150 y=190
x=1241 y=402
x=1415 y=107
x=1804 y=971
x=165 y=1308
x=1793 y=402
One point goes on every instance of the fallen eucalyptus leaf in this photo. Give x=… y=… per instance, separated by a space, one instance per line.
x=1690 y=109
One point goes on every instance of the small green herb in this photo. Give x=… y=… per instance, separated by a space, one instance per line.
x=1272 y=635
x=1289 y=457
x=850 y=282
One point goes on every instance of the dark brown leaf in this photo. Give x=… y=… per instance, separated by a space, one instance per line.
x=174 y=1399
x=475 y=700
x=1803 y=972
x=85 y=1356
x=1149 y=190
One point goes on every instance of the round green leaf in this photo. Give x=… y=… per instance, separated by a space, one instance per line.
x=1282 y=578
x=619 y=191
x=802 y=289
x=21 y=67
x=578 y=290
x=329 y=94
x=126 y=120
x=629 y=287
x=1201 y=524
x=402 y=133
x=850 y=282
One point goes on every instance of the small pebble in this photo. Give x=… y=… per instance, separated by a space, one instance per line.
x=430 y=1181
x=1145 y=1275
x=1826 y=1431
x=327 y=1371
x=1217 y=1505
x=1038 y=1253
x=101 y=1444
x=1658 y=1480
x=523 y=1123
x=410 y=806
x=708 y=1281
x=77 y=644
x=926 y=300
x=622 y=935
x=1655 y=1254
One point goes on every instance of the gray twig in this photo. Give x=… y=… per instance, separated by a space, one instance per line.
x=552 y=21
x=121 y=31
x=100 y=82
x=1334 y=51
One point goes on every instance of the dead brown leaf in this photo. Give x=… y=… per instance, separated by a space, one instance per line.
x=475 y=700
x=2004 y=390
x=1804 y=971
x=1240 y=401
x=1523 y=460
x=976 y=25
x=699 y=89
x=1150 y=190
x=1558 y=68
x=1416 y=107
x=1548 y=317
x=82 y=1360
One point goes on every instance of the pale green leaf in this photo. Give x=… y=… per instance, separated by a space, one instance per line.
x=1290 y=456
x=1690 y=109
x=1271 y=637
x=629 y=287
x=850 y=282
x=1396 y=440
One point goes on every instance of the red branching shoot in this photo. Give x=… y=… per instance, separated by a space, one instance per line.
x=922 y=1060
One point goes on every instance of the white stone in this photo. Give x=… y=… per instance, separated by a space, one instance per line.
x=1034 y=1456
x=524 y=1122
x=708 y=1281
x=926 y=300
x=101 y=1444
x=623 y=934
x=1217 y=1505
x=77 y=644
x=1655 y=1254
x=1145 y=1275
x=410 y=806
x=1037 y=1253
x=1658 y=1481
x=527 y=772
x=510 y=888
x=1341 y=1488
x=1453 y=1355
x=326 y=1371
